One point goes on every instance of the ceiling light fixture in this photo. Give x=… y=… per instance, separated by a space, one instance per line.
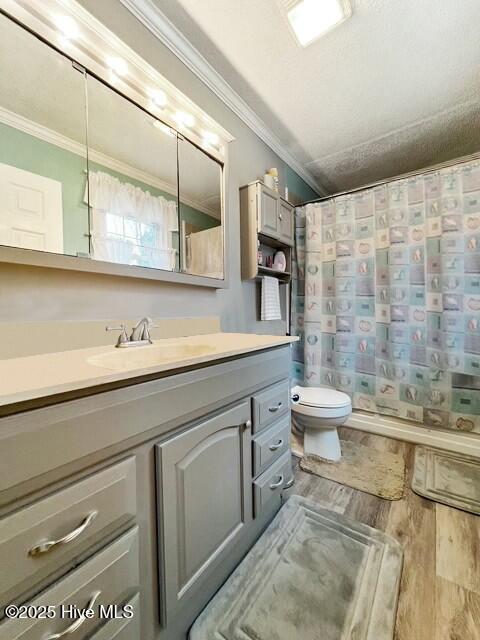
x=184 y=119
x=310 y=19
x=67 y=27
x=117 y=65
x=158 y=98
x=161 y=126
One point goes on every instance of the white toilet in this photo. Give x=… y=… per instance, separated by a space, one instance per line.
x=318 y=411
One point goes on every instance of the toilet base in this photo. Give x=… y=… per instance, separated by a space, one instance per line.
x=323 y=443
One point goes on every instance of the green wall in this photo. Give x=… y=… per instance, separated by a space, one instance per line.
x=298 y=186
x=26 y=152
x=29 y=153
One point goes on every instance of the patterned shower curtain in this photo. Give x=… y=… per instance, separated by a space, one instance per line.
x=387 y=297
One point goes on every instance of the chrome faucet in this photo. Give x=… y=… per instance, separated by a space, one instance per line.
x=140 y=333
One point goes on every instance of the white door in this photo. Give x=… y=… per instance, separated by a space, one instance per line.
x=31 y=214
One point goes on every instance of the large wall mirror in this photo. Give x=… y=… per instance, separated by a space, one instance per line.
x=43 y=153
x=201 y=230
x=87 y=172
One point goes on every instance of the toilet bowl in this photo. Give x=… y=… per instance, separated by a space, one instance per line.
x=318 y=411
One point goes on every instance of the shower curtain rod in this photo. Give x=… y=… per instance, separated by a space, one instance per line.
x=371 y=185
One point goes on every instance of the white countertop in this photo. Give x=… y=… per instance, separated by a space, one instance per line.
x=33 y=377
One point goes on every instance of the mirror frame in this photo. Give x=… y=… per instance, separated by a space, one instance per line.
x=32 y=257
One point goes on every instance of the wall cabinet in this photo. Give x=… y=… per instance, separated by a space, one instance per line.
x=268 y=219
x=183 y=475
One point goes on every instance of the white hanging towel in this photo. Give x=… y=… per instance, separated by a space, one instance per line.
x=270 y=299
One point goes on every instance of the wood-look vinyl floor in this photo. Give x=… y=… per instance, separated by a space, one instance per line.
x=440 y=587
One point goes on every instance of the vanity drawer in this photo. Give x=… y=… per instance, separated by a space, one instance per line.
x=80 y=515
x=122 y=628
x=110 y=577
x=269 y=485
x=270 y=404
x=270 y=444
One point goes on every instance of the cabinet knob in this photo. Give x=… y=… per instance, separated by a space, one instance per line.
x=248 y=424
x=280 y=216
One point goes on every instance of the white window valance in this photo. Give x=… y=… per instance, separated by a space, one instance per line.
x=129 y=225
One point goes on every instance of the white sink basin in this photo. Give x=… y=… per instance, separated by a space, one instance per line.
x=147 y=356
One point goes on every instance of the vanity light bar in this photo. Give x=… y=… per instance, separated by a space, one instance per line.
x=210 y=139
x=67 y=27
x=92 y=45
x=158 y=98
x=184 y=119
x=117 y=65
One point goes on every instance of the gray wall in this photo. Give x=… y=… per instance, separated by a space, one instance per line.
x=41 y=294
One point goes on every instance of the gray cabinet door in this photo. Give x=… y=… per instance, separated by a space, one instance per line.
x=204 y=480
x=268 y=211
x=285 y=222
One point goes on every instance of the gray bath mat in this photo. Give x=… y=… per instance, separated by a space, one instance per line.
x=380 y=473
x=313 y=574
x=450 y=478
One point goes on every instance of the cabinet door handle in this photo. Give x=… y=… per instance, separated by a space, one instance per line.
x=78 y=623
x=275 y=409
x=277 y=484
x=48 y=545
x=274 y=447
x=280 y=217
x=247 y=424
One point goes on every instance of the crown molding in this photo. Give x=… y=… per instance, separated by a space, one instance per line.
x=161 y=27
x=50 y=136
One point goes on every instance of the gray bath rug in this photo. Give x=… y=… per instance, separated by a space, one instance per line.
x=380 y=473
x=450 y=478
x=313 y=574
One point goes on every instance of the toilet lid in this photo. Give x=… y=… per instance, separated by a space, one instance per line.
x=321 y=397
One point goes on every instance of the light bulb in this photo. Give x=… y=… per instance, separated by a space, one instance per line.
x=117 y=65
x=67 y=27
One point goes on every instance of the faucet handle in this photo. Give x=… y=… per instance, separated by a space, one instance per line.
x=146 y=330
x=123 y=337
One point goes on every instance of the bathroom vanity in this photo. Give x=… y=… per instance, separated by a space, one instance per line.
x=143 y=485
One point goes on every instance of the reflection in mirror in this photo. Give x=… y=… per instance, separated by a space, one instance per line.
x=132 y=182
x=201 y=230
x=42 y=146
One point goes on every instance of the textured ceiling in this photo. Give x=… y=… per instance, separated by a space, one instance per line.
x=393 y=89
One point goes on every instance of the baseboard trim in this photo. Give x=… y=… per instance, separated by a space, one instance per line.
x=391 y=428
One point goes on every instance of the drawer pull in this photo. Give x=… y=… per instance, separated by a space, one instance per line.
x=45 y=547
x=275 y=409
x=274 y=447
x=275 y=485
x=78 y=623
